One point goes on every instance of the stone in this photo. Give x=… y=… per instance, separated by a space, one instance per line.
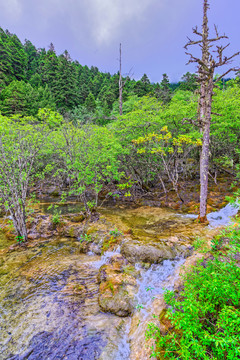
x=135 y=251
x=117 y=287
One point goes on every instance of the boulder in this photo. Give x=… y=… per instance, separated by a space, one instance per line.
x=117 y=287
x=154 y=253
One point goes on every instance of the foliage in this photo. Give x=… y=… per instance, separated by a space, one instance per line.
x=85 y=237
x=88 y=156
x=206 y=314
x=115 y=232
x=170 y=152
x=225 y=128
x=56 y=214
x=200 y=245
x=20 y=148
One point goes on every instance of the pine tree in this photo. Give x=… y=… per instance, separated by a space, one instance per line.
x=90 y=103
x=165 y=93
x=189 y=82
x=66 y=93
x=49 y=69
x=19 y=98
x=32 y=59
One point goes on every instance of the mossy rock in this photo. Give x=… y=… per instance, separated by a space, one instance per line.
x=117 y=301
x=135 y=251
x=117 y=286
x=78 y=218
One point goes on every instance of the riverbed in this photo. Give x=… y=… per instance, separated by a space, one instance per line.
x=49 y=294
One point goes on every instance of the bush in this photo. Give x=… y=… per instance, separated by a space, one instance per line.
x=206 y=315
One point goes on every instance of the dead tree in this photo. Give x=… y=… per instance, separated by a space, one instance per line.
x=120 y=80
x=206 y=68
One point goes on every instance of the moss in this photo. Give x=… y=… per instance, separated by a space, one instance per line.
x=108 y=242
x=78 y=218
x=108 y=285
x=71 y=232
x=130 y=270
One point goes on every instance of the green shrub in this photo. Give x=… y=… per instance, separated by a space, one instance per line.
x=206 y=315
x=200 y=245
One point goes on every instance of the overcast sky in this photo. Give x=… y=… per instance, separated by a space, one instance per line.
x=152 y=32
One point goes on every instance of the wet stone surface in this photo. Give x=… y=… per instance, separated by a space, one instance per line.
x=62 y=345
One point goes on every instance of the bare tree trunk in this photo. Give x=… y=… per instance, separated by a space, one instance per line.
x=206 y=67
x=84 y=199
x=204 y=158
x=163 y=186
x=120 y=80
x=19 y=222
x=204 y=165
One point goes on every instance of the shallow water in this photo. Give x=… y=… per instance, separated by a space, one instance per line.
x=49 y=309
x=49 y=293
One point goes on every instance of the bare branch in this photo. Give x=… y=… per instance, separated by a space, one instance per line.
x=217 y=114
x=227 y=72
x=190 y=121
x=227 y=60
x=191 y=42
x=216 y=30
x=217 y=38
x=195 y=31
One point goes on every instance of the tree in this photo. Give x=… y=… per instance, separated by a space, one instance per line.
x=83 y=93
x=13 y=59
x=20 y=147
x=189 y=82
x=32 y=59
x=171 y=153
x=90 y=103
x=88 y=157
x=120 y=80
x=19 y=98
x=66 y=92
x=165 y=92
x=207 y=64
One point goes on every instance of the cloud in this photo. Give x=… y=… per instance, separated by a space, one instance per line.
x=11 y=8
x=109 y=17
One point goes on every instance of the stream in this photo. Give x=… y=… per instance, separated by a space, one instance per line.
x=49 y=305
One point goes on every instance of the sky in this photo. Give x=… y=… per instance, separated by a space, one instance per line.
x=152 y=32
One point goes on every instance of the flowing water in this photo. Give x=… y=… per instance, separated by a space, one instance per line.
x=49 y=293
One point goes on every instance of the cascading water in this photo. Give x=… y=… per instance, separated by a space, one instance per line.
x=152 y=280
x=105 y=257
x=223 y=216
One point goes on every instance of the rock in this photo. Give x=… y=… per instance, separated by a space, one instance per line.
x=120 y=303
x=77 y=218
x=41 y=227
x=95 y=248
x=155 y=252
x=70 y=230
x=137 y=334
x=135 y=251
x=117 y=287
